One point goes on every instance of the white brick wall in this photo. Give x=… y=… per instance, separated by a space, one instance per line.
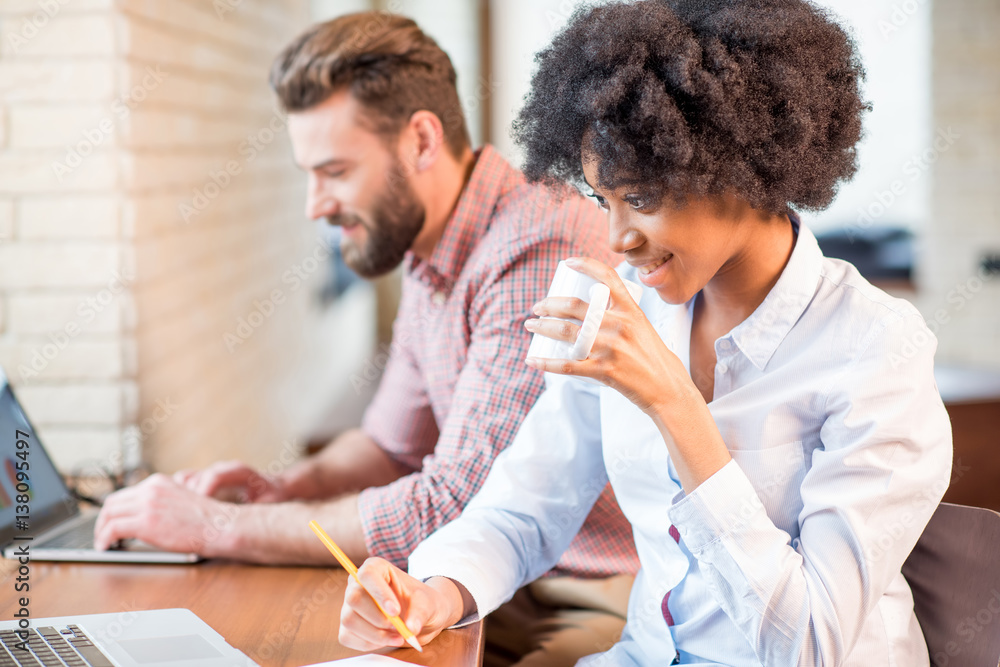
x=84 y=404
x=6 y=220
x=89 y=445
x=112 y=306
x=198 y=278
x=32 y=171
x=81 y=360
x=39 y=80
x=38 y=313
x=27 y=9
x=67 y=34
x=41 y=125
x=89 y=218
x=966 y=206
x=83 y=264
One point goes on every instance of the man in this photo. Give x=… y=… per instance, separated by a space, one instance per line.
x=375 y=121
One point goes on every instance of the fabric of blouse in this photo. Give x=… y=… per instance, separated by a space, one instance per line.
x=788 y=555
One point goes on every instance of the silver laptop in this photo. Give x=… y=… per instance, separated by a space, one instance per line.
x=51 y=521
x=126 y=639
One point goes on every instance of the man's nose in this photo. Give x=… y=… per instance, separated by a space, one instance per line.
x=320 y=204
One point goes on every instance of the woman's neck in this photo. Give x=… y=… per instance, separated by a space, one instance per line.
x=740 y=286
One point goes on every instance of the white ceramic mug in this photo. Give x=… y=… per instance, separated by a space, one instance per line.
x=571 y=283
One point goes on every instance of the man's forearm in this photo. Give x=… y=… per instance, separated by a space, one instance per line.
x=279 y=533
x=351 y=463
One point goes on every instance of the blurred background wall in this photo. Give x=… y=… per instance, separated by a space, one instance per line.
x=161 y=293
x=964 y=225
x=159 y=284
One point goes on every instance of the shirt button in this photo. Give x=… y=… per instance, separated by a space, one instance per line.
x=725 y=345
x=438 y=298
x=722 y=368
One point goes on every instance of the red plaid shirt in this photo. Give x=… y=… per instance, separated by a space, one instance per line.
x=456 y=388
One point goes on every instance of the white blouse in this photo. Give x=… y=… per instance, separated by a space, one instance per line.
x=788 y=555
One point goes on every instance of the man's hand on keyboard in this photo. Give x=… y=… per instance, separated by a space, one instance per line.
x=234 y=481
x=167 y=515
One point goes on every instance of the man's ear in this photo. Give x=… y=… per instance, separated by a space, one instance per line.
x=428 y=133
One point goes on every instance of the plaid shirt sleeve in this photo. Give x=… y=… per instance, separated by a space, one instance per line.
x=400 y=418
x=493 y=394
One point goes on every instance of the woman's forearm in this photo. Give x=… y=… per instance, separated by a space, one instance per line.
x=689 y=431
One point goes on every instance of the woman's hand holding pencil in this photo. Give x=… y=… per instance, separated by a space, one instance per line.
x=425 y=608
x=384 y=606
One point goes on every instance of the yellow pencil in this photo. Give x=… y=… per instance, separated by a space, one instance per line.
x=352 y=569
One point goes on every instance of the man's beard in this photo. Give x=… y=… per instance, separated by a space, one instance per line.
x=396 y=219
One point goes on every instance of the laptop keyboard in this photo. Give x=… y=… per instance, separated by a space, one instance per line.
x=80 y=536
x=49 y=647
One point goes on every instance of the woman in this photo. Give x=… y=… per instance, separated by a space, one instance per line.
x=767 y=426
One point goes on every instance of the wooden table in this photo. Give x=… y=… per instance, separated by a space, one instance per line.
x=972 y=397
x=279 y=616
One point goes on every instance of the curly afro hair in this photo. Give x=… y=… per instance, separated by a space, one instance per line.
x=755 y=98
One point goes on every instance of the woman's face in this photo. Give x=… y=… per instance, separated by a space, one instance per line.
x=677 y=250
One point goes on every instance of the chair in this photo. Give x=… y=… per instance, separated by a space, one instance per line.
x=954 y=572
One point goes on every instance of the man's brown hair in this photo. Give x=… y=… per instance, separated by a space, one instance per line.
x=386 y=61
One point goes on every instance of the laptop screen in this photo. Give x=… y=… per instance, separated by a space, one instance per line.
x=48 y=498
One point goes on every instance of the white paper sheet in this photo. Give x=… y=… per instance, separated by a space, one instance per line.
x=362 y=660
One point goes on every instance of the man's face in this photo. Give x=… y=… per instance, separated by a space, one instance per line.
x=356 y=182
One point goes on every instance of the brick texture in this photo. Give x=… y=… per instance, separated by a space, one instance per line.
x=962 y=305
x=6 y=220
x=119 y=307
x=69 y=218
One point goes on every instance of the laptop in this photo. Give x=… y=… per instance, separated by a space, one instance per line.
x=126 y=639
x=52 y=521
